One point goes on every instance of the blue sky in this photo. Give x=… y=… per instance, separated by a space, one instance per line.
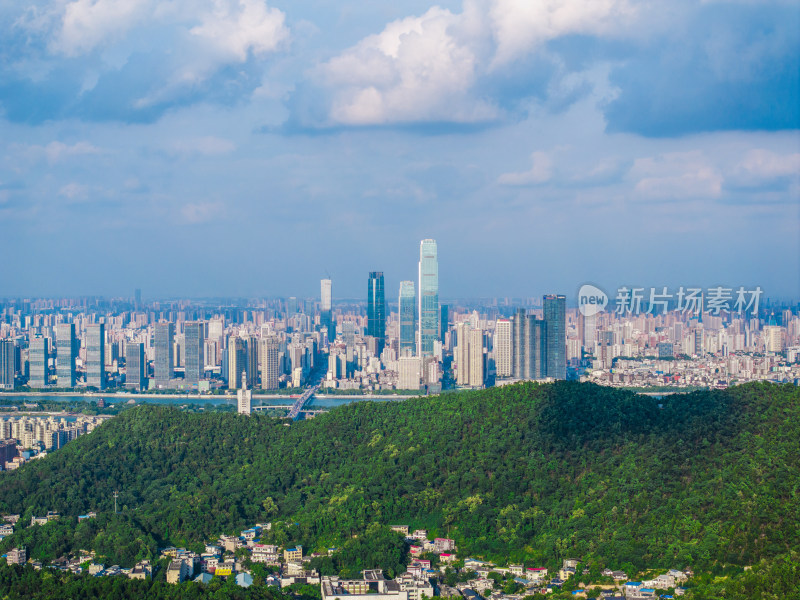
x=242 y=147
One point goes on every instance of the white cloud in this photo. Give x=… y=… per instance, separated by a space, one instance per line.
x=236 y=28
x=676 y=175
x=540 y=172
x=416 y=68
x=56 y=151
x=429 y=67
x=519 y=26
x=204 y=146
x=88 y=23
x=763 y=167
x=228 y=30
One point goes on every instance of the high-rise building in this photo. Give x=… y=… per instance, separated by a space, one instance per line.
x=134 y=365
x=408 y=321
x=534 y=362
x=555 y=318
x=325 y=307
x=164 y=364
x=461 y=353
x=502 y=348
x=376 y=309
x=96 y=356
x=268 y=356
x=528 y=346
x=194 y=342
x=38 y=357
x=408 y=373
x=325 y=294
x=428 y=296
x=66 y=349
x=237 y=362
x=252 y=360
x=7 y=364
x=444 y=320
x=476 y=359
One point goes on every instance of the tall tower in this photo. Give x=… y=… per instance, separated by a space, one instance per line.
x=376 y=309
x=462 y=354
x=7 y=364
x=66 y=347
x=134 y=365
x=428 y=296
x=268 y=355
x=502 y=348
x=555 y=319
x=244 y=397
x=408 y=317
x=96 y=356
x=165 y=352
x=237 y=362
x=476 y=366
x=38 y=357
x=194 y=340
x=325 y=286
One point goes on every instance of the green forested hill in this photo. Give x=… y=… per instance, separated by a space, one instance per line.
x=528 y=472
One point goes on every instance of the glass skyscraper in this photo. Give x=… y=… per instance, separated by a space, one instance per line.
x=194 y=337
x=134 y=365
x=428 y=296
x=96 y=356
x=7 y=364
x=66 y=347
x=555 y=319
x=408 y=317
x=165 y=349
x=376 y=309
x=38 y=357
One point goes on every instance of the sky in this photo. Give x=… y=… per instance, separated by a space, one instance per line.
x=249 y=148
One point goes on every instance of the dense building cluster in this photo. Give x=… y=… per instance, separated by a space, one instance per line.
x=417 y=343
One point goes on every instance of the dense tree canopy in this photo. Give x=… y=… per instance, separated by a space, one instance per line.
x=525 y=473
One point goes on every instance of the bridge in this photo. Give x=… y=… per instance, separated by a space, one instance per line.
x=294 y=412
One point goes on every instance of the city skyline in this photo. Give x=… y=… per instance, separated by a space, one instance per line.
x=542 y=144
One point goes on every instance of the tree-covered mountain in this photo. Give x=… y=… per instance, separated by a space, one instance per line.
x=524 y=472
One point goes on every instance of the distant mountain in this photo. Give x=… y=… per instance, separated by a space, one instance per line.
x=524 y=472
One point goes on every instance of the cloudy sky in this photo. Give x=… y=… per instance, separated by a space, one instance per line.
x=243 y=147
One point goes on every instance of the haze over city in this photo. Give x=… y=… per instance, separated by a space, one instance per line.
x=251 y=148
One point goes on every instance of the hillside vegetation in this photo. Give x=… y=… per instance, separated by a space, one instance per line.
x=526 y=472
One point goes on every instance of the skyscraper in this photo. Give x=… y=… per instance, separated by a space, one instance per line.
x=428 y=296
x=38 y=357
x=444 y=321
x=461 y=353
x=502 y=348
x=134 y=365
x=528 y=347
x=96 y=356
x=66 y=348
x=555 y=319
x=325 y=294
x=376 y=309
x=194 y=339
x=325 y=307
x=164 y=366
x=7 y=364
x=268 y=356
x=408 y=321
x=237 y=362
x=476 y=359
